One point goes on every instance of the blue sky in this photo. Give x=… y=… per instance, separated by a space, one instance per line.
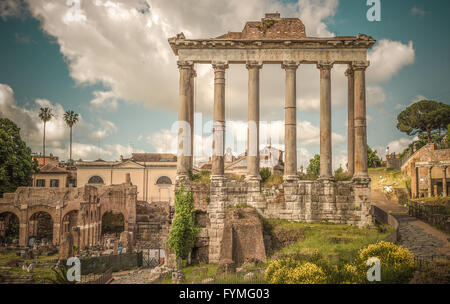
x=111 y=63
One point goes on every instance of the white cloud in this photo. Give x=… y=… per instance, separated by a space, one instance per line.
x=418 y=98
x=340 y=160
x=105 y=101
x=375 y=96
x=395 y=146
x=387 y=58
x=417 y=11
x=123 y=44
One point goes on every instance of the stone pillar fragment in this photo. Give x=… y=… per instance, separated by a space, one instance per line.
x=430 y=182
x=290 y=133
x=253 y=120
x=184 y=132
x=219 y=119
x=325 y=120
x=191 y=115
x=444 y=182
x=351 y=121
x=361 y=166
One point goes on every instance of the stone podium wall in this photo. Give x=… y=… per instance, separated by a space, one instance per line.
x=302 y=201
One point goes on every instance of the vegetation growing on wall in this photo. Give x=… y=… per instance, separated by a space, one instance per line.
x=183 y=232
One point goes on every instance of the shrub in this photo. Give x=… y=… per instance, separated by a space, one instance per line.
x=265 y=174
x=203 y=177
x=274 y=180
x=290 y=271
x=397 y=263
x=277 y=271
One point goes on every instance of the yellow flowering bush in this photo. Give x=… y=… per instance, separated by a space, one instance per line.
x=290 y=271
x=397 y=263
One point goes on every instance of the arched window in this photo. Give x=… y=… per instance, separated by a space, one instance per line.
x=96 y=180
x=164 y=180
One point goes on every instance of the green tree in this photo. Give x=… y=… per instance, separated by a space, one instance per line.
x=423 y=116
x=314 y=166
x=422 y=141
x=183 y=231
x=71 y=118
x=447 y=139
x=373 y=160
x=45 y=114
x=16 y=164
x=265 y=174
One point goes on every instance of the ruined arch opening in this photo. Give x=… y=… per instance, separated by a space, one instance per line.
x=70 y=221
x=41 y=227
x=9 y=228
x=113 y=223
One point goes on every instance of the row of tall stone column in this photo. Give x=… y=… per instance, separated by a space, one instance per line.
x=357 y=137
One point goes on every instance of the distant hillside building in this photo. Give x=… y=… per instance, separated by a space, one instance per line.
x=153 y=174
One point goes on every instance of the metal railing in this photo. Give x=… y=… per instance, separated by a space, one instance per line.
x=97 y=279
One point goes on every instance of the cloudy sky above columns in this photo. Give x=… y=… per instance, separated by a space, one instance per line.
x=110 y=62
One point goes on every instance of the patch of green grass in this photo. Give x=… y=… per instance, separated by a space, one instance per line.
x=338 y=243
x=41 y=273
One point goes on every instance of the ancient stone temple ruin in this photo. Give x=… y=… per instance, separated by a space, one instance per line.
x=283 y=41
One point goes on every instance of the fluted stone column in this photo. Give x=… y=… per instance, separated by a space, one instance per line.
x=351 y=121
x=444 y=181
x=430 y=182
x=325 y=120
x=253 y=120
x=219 y=119
x=184 y=132
x=361 y=166
x=191 y=115
x=290 y=123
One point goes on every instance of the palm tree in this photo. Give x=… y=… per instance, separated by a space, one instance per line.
x=45 y=115
x=71 y=118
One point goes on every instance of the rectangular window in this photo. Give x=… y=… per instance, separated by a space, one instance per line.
x=54 y=183
x=40 y=183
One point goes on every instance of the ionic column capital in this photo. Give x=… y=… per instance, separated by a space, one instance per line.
x=185 y=65
x=220 y=66
x=325 y=65
x=253 y=65
x=290 y=65
x=349 y=72
x=360 y=65
x=193 y=72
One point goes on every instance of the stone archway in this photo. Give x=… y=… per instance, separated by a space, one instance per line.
x=9 y=228
x=41 y=227
x=69 y=222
